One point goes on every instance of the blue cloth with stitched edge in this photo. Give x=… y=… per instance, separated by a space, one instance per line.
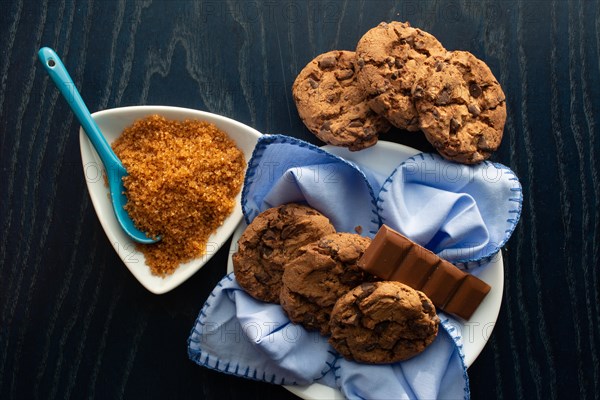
x=240 y=335
x=285 y=170
x=462 y=212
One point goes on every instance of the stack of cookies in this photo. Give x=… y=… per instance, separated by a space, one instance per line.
x=292 y=255
x=402 y=76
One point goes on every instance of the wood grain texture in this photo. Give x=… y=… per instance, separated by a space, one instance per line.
x=75 y=324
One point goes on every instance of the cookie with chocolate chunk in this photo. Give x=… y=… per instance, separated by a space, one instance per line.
x=331 y=104
x=391 y=57
x=322 y=273
x=462 y=108
x=382 y=322
x=271 y=240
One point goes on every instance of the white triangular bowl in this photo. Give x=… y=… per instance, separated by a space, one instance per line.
x=112 y=122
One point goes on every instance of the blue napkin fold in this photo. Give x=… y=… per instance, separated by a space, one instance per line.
x=240 y=335
x=463 y=213
x=285 y=170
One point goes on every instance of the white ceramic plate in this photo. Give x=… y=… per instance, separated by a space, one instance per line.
x=111 y=123
x=383 y=158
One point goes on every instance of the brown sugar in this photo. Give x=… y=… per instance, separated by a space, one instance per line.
x=183 y=177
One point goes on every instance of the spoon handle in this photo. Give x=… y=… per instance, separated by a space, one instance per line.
x=65 y=85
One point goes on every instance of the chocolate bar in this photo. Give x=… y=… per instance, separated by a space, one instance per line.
x=392 y=256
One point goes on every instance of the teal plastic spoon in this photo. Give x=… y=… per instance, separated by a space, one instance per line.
x=113 y=166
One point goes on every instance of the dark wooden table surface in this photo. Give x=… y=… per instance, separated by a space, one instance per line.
x=74 y=323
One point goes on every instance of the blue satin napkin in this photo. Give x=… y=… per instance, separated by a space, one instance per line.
x=463 y=213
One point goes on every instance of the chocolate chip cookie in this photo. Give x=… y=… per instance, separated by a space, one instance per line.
x=319 y=276
x=391 y=57
x=271 y=240
x=461 y=107
x=331 y=104
x=382 y=322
